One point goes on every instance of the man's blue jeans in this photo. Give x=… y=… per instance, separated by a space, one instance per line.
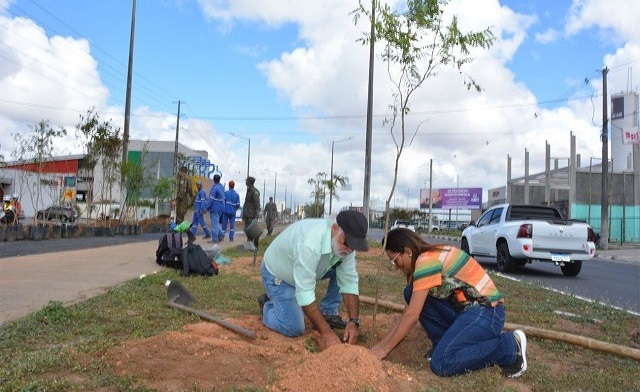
x=282 y=312
x=332 y=299
x=465 y=340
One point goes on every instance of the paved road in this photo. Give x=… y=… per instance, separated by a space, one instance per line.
x=24 y=248
x=606 y=281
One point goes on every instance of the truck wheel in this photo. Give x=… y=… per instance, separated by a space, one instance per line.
x=520 y=262
x=506 y=263
x=464 y=246
x=571 y=269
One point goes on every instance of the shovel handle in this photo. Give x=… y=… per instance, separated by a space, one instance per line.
x=233 y=327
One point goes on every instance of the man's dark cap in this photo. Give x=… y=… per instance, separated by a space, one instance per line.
x=355 y=226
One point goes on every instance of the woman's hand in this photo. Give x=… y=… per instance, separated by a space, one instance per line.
x=378 y=352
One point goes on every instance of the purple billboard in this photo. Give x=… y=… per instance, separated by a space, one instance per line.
x=450 y=198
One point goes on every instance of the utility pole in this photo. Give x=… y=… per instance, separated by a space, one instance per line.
x=127 y=113
x=604 y=197
x=331 y=180
x=430 y=194
x=175 y=151
x=127 y=105
x=367 y=154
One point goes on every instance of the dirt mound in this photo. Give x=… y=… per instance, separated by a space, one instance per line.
x=206 y=355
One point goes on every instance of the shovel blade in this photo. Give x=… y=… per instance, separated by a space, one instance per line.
x=177 y=293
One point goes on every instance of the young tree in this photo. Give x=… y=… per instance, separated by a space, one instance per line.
x=163 y=189
x=37 y=148
x=318 y=193
x=101 y=143
x=320 y=186
x=332 y=185
x=111 y=148
x=136 y=180
x=418 y=41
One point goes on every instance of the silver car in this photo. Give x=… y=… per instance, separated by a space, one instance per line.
x=64 y=214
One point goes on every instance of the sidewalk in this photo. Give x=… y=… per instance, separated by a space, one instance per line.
x=628 y=253
x=27 y=283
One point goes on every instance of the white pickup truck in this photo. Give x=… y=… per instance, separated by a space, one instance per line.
x=518 y=234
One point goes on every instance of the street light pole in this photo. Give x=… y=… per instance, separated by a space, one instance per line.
x=331 y=175
x=248 y=150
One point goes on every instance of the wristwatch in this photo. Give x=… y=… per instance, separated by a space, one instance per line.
x=354 y=320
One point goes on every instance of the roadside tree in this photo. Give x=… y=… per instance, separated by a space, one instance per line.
x=36 y=150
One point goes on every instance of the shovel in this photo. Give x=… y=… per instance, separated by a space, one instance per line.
x=180 y=298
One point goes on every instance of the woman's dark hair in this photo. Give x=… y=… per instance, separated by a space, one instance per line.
x=401 y=238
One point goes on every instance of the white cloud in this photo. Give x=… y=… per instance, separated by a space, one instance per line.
x=623 y=66
x=620 y=16
x=4 y=5
x=550 y=35
x=467 y=135
x=44 y=78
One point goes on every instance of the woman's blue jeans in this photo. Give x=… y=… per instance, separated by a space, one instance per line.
x=465 y=340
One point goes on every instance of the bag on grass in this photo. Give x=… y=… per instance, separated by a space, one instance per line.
x=169 y=252
x=196 y=262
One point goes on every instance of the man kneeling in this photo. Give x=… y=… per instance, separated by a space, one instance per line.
x=297 y=259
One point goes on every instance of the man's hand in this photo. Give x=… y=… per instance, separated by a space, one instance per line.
x=312 y=311
x=350 y=334
x=330 y=338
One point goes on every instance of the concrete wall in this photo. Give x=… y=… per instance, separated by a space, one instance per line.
x=624 y=211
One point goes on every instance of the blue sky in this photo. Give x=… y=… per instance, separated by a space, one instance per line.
x=289 y=75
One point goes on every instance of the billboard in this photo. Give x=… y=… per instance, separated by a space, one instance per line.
x=69 y=192
x=450 y=198
x=631 y=135
x=617 y=108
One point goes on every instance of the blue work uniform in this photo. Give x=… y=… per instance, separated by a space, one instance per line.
x=198 y=218
x=231 y=205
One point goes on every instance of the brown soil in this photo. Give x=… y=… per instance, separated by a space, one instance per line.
x=206 y=356
x=210 y=356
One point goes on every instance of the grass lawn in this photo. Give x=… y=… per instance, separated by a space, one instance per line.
x=63 y=348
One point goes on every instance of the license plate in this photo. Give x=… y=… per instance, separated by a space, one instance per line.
x=559 y=257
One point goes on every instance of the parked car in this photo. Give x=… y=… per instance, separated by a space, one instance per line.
x=403 y=223
x=462 y=226
x=64 y=214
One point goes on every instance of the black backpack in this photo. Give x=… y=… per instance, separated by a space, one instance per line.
x=169 y=252
x=196 y=262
